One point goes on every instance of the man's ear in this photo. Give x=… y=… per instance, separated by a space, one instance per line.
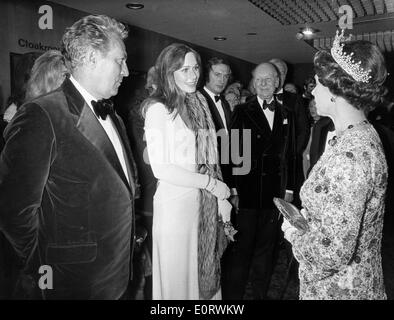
x=277 y=82
x=254 y=84
x=91 y=58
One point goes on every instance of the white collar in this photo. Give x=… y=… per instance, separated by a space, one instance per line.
x=211 y=94
x=85 y=94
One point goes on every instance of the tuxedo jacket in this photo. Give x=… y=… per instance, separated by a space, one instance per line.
x=218 y=122
x=3 y=125
x=63 y=191
x=319 y=138
x=295 y=103
x=135 y=129
x=272 y=154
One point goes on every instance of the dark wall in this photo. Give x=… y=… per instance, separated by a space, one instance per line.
x=144 y=46
x=390 y=79
x=298 y=73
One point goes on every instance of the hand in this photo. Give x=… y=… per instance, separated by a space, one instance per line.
x=234 y=200
x=224 y=210
x=218 y=188
x=285 y=225
x=287 y=229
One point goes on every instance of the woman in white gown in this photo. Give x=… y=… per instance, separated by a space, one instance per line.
x=189 y=204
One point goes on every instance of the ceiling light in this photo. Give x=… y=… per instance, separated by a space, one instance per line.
x=220 y=38
x=308 y=31
x=134 y=6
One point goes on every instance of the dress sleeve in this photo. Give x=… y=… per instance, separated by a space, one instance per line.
x=331 y=241
x=158 y=135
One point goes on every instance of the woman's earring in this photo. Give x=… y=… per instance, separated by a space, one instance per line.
x=332 y=99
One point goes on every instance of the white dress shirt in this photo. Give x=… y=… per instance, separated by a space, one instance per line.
x=268 y=113
x=107 y=125
x=219 y=106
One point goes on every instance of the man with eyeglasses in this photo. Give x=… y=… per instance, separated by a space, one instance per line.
x=272 y=144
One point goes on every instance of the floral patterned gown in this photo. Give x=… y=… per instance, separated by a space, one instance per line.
x=343 y=200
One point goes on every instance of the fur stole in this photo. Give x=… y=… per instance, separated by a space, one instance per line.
x=211 y=239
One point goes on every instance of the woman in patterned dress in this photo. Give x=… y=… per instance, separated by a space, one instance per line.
x=343 y=197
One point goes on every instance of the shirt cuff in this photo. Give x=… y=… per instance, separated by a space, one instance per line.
x=290 y=191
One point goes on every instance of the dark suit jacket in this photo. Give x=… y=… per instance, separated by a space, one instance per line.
x=62 y=189
x=3 y=124
x=218 y=122
x=302 y=128
x=135 y=130
x=272 y=154
x=319 y=137
x=295 y=103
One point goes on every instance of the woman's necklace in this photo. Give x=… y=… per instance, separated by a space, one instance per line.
x=333 y=141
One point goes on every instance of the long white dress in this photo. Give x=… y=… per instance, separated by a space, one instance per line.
x=171 y=151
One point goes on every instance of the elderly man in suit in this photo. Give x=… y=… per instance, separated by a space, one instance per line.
x=67 y=175
x=302 y=128
x=272 y=151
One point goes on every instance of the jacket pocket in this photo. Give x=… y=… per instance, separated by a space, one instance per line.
x=71 y=253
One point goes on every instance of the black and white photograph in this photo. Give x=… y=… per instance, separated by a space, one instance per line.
x=197 y=155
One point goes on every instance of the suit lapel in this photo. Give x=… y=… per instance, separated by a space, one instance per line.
x=227 y=111
x=278 y=119
x=217 y=119
x=257 y=116
x=130 y=163
x=91 y=129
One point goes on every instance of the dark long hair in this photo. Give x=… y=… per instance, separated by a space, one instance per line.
x=170 y=60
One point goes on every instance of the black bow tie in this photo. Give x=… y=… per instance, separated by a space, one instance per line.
x=217 y=98
x=103 y=107
x=270 y=105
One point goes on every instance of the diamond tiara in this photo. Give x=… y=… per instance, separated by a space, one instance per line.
x=345 y=60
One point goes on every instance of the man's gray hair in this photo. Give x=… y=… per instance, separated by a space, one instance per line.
x=91 y=32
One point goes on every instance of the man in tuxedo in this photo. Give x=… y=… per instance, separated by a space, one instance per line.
x=302 y=127
x=217 y=75
x=67 y=175
x=271 y=143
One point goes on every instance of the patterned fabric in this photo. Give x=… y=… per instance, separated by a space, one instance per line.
x=343 y=200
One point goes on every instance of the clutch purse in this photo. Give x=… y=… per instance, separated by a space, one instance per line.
x=292 y=214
